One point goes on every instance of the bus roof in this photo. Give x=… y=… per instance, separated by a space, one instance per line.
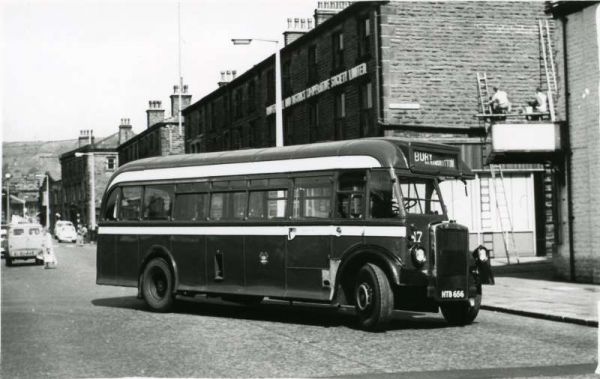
x=387 y=152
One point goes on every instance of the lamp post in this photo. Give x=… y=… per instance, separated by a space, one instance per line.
x=7 y=177
x=92 y=176
x=47 y=179
x=278 y=107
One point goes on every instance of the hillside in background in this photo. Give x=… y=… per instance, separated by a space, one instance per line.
x=29 y=158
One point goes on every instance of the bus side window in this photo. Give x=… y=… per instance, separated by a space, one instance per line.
x=130 y=206
x=350 y=196
x=312 y=198
x=191 y=207
x=216 y=205
x=110 y=212
x=158 y=200
x=267 y=204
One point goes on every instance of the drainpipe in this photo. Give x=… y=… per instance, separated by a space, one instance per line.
x=568 y=155
x=379 y=69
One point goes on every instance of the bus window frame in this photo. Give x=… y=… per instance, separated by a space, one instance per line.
x=115 y=189
x=142 y=194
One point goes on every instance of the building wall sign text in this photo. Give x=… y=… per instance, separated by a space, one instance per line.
x=323 y=86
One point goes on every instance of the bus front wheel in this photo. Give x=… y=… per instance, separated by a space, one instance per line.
x=157 y=285
x=373 y=298
x=461 y=313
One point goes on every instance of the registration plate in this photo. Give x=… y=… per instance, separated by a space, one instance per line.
x=25 y=253
x=452 y=294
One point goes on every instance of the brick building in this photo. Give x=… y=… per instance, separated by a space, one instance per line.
x=162 y=135
x=55 y=199
x=404 y=69
x=578 y=257
x=77 y=177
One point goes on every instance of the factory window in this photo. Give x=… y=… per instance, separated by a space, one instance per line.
x=312 y=64
x=339 y=112
x=338 y=50
x=366 y=105
x=238 y=103
x=251 y=101
x=364 y=32
x=313 y=121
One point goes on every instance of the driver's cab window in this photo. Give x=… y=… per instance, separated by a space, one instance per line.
x=381 y=195
x=351 y=194
x=420 y=196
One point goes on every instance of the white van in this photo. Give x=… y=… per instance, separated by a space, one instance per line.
x=25 y=241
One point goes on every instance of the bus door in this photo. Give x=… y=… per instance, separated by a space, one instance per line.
x=423 y=207
x=225 y=238
x=309 y=237
x=265 y=241
x=126 y=244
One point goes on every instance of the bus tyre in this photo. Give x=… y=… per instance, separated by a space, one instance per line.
x=461 y=313
x=373 y=298
x=157 y=285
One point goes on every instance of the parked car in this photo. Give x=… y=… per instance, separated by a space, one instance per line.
x=64 y=231
x=25 y=241
x=3 y=242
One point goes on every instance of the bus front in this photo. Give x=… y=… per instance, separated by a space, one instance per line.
x=438 y=250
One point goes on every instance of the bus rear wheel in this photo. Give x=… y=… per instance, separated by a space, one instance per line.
x=373 y=298
x=461 y=313
x=157 y=285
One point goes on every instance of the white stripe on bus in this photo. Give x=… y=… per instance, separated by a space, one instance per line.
x=249 y=168
x=327 y=230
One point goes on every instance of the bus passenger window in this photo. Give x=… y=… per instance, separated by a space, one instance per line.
x=191 y=207
x=130 y=206
x=276 y=204
x=157 y=202
x=312 y=198
x=216 y=206
x=110 y=212
x=238 y=205
x=267 y=204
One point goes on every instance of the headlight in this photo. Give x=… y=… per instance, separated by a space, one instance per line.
x=419 y=256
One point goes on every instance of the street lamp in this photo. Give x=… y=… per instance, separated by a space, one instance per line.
x=92 y=175
x=278 y=108
x=7 y=177
x=47 y=178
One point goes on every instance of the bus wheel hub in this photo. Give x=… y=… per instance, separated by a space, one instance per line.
x=364 y=295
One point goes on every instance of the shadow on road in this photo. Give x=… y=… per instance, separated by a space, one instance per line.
x=278 y=311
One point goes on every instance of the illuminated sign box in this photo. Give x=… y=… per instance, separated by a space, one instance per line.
x=538 y=137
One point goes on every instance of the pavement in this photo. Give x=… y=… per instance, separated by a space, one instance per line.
x=530 y=288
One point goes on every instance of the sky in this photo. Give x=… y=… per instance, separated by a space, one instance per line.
x=69 y=65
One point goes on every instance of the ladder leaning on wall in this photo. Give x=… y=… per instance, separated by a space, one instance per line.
x=503 y=212
x=549 y=69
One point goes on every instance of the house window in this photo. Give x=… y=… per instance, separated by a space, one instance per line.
x=312 y=64
x=111 y=163
x=364 y=32
x=270 y=137
x=339 y=112
x=338 y=50
x=366 y=106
